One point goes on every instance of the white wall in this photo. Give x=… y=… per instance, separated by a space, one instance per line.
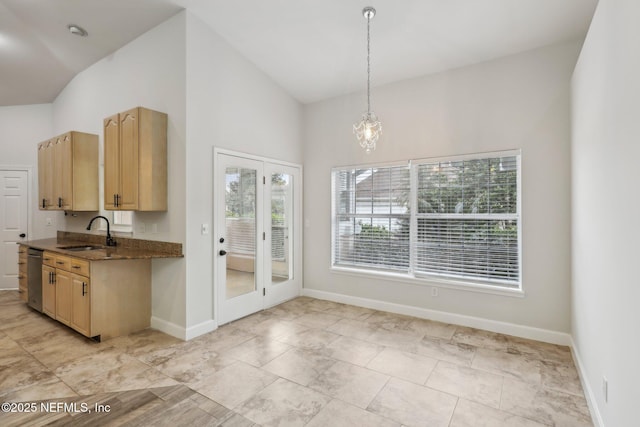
x=233 y=105
x=520 y=101
x=21 y=129
x=148 y=72
x=179 y=67
x=606 y=206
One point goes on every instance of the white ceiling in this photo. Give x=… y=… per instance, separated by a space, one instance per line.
x=313 y=49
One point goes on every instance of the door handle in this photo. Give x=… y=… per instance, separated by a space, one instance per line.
x=223 y=252
x=23 y=235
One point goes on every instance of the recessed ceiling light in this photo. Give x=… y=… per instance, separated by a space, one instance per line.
x=77 y=30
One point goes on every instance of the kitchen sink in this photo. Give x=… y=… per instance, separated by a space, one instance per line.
x=81 y=248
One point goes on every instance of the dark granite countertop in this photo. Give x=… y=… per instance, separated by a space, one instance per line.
x=126 y=249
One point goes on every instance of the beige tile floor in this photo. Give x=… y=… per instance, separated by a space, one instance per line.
x=306 y=362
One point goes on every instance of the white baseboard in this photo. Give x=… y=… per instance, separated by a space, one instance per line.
x=168 y=328
x=180 y=332
x=522 y=331
x=586 y=386
x=200 y=329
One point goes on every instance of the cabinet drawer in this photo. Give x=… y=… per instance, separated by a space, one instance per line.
x=63 y=262
x=79 y=266
x=49 y=259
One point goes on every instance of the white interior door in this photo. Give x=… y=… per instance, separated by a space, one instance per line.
x=257 y=242
x=238 y=247
x=13 y=223
x=282 y=224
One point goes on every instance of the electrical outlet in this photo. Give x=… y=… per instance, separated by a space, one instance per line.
x=434 y=292
x=205 y=229
x=605 y=389
x=142 y=228
x=154 y=228
x=49 y=222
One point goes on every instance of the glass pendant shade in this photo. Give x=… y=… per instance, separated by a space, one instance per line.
x=368 y=131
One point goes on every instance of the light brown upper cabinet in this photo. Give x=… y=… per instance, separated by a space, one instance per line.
x=45 y=174
x=68 y=172
x=135 y=161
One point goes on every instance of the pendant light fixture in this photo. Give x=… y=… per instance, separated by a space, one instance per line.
x=368 y=129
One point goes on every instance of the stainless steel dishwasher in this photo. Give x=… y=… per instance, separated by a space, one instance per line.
x=34 y=277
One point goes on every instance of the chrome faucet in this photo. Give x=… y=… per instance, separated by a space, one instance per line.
x=110 y=241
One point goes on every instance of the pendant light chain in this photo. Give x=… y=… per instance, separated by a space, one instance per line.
x=368 y=66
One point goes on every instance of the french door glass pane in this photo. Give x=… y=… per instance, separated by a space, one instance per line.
x=281 y=217
x=240 y=219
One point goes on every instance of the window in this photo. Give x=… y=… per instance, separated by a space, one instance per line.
x=455 y=219
x=121 y=221
x=372 y=217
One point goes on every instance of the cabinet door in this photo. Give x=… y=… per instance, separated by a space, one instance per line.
x=63 y=172
x=48 y=291
x=81 y=303
x=45 y=174
x=63 y=296
x=129 y=127
x=111 y=161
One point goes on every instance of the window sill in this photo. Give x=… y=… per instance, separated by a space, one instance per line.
x=431 y=281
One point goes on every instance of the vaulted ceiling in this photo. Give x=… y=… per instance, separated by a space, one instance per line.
x=313 y=49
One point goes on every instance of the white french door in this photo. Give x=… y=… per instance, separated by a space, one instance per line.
x=257 y=239
x=14 y=220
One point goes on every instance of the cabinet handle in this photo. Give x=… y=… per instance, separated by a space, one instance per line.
x=84 y=288
x=60 y=262
x=44 y=205
x=75 y=266
x=53 y=276
x=50 y=277
x=59 y=202
x=21 y=262
x=117 y=200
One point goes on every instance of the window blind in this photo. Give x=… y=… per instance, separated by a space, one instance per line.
x=372 y=218
x=467 y=219
x=464 y=222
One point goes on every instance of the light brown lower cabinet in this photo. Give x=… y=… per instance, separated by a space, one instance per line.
x=99 y=299
x=48 y=290
x=81 y=304
x=63 y=296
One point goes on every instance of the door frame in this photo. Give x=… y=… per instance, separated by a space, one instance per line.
x=30 y=192
x=297 y=225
